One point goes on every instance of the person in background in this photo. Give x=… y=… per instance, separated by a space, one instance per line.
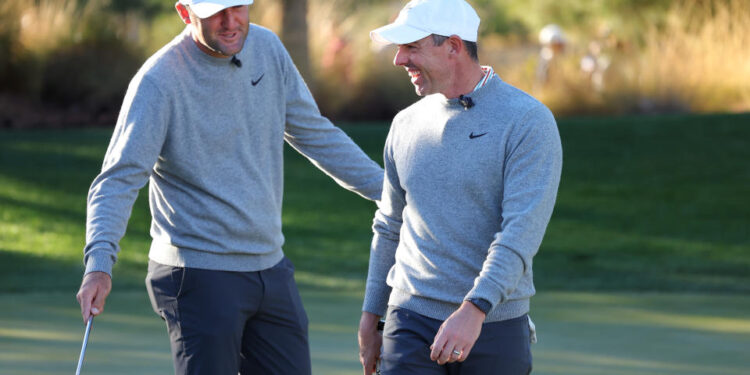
x=553 y=41
x=472 y=171
x=204 y=122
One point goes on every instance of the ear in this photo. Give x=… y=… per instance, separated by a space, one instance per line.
x=456 y=44
x=183 y=12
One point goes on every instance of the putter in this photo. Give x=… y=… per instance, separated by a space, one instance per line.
x=85 y=342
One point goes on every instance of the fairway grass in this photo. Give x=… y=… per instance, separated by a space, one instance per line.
x=579 y=333
x=645 y=267
x=646 y=203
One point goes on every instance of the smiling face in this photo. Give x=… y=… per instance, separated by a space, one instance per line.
x=222 y=34
x=426 y=64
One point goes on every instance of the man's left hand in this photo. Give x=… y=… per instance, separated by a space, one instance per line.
x=457 y=334
x=370 y=341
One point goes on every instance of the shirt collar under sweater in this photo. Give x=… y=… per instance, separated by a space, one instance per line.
x=488 y=73
x=477 y=93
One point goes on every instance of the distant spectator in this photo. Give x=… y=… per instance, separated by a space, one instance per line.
x=553 y=41
x=596 y=61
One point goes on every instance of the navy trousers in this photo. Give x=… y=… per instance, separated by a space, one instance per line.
x=223 y=323
x=503 y=348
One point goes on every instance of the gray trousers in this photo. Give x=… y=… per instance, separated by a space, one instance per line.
x=223 y=323
x=502 y=348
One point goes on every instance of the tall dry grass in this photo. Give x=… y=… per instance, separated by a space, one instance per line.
x=74 y=53
x=64 y=61
x=47 y=24
x=698 y=60
x=701 y=58
x=695 y=57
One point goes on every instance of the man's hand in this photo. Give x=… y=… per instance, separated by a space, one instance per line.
x=370 y=341
x=95 y=288
x=459 y=332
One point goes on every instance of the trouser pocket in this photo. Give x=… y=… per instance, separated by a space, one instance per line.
x=164 y=284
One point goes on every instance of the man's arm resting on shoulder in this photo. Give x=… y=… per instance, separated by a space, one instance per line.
x=328 y=147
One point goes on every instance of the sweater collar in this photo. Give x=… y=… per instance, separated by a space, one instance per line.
x=489 y=80
x=194 y=51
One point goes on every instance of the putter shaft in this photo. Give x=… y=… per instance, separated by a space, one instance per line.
x=85 y=342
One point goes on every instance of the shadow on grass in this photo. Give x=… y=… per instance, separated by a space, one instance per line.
x=25 y=273
x=57 y=161
x=650 y=203
x=646 y=203
x=44 y=210
x=579 y=333
x=16 y=270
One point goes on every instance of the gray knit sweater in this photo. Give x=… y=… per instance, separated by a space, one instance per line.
x=208 y=137
x=466 y=200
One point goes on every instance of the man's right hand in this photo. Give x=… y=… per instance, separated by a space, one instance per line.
x=370 y=341
x=95 y=288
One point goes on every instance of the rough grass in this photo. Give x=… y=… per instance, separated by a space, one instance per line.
x=645 y=203
x=651 y=203
x=693 y=59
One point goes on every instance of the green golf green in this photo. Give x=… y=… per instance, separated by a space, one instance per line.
x=579 y=333
x=645 y=268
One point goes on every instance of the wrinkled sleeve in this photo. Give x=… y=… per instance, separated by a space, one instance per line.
x=386 y=229
x=133 y=150
x=325 y=145
x=533 y=164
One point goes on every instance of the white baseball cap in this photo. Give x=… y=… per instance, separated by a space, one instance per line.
x=420 y=18
x=207 y=8
x=551 y=34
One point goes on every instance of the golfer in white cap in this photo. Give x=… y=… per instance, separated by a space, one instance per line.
x=472 y=171
x=204 y=123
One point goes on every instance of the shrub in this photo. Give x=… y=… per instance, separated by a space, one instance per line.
x=692 y=57
x=663 y=55
x=68 y=59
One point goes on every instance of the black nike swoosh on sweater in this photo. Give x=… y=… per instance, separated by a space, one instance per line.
x=472 y=135
x=255 y=81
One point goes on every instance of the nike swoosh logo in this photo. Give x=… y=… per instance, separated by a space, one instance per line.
x=472 y=135
x=255 y=81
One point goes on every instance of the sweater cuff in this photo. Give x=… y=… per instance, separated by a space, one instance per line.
x=376 y=300
x=99 y=260
x=486 y=291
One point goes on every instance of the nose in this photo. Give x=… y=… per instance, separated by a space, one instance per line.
x=228 y=18
x=401 y=57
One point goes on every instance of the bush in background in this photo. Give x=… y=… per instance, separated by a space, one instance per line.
x=65 y=62
x=660 y=56
x=68 y=62
x=695 y=59
x=352 y=80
